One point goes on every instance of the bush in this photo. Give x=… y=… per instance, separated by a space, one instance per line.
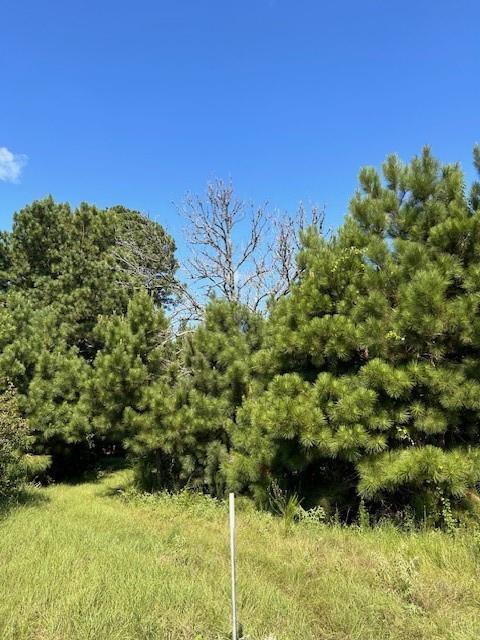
x=13 y=440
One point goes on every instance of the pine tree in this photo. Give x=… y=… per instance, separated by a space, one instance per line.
x=61 y=270
x=372 y=363
x=130 y=359
x=184 y=429
x=86 y=262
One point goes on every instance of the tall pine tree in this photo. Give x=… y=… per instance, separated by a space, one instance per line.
x=61 y=270
x=373 y=363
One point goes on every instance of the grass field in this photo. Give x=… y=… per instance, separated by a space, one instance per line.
x=78 y=562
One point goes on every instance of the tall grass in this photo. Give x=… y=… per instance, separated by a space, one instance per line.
x=87 y=562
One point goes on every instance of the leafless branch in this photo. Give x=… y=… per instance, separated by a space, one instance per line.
x=241 y=252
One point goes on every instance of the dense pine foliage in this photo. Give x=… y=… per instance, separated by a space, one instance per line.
x=372 y=364
x=185 y=429
x=363 y=382
x=65 y=275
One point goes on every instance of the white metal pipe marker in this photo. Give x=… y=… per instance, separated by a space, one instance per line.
x=232 y=564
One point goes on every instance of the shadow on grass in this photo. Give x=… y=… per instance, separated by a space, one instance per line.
x=123 y=483
x=101 y=476
x=30 y=497
x=95 y=475
x=114 y=491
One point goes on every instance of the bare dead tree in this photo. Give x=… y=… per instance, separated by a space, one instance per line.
x=239 y=251
x=287 y=243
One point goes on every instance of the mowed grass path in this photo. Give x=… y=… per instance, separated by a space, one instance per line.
x=79 y=563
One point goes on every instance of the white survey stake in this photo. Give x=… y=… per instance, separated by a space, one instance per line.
x=232 y=564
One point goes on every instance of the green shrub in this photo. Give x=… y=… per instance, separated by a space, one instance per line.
x=13 y=439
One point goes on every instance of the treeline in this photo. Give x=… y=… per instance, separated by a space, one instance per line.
x=354 y=375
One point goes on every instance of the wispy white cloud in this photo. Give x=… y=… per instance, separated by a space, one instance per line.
x=11 y=165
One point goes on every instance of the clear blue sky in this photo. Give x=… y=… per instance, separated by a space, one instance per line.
x=137 y=102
